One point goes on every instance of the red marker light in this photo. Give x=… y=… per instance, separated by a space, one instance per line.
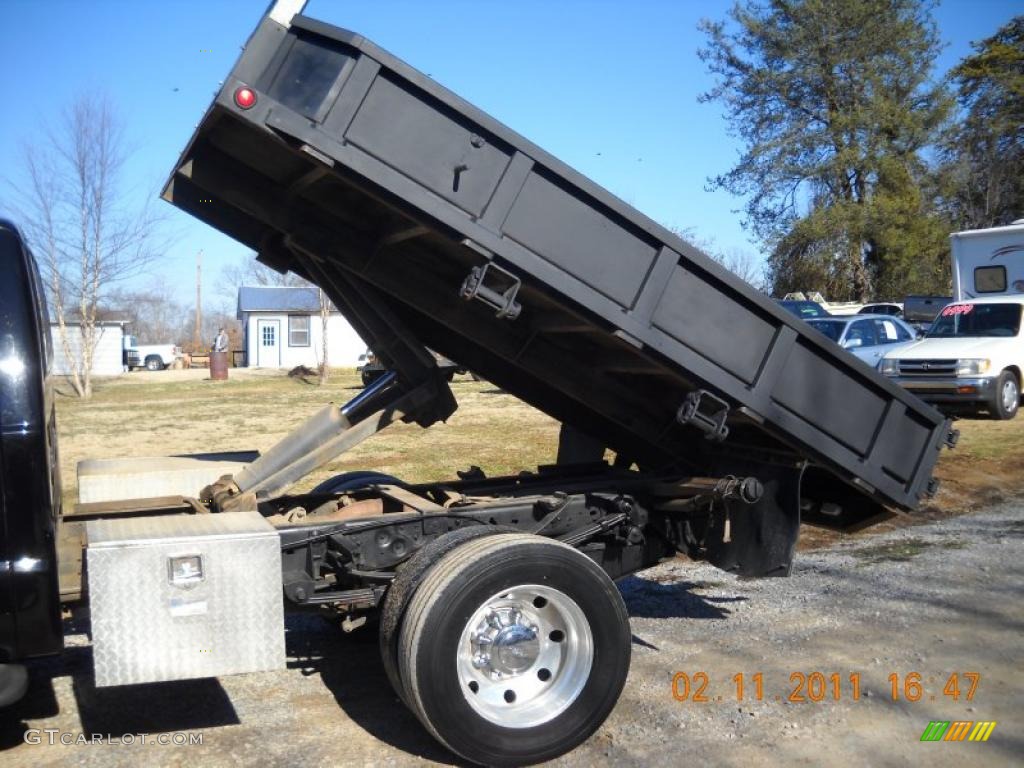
x=245 y=97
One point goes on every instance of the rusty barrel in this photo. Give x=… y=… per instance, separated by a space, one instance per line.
x=219 y=366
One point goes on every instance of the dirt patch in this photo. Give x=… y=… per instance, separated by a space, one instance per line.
x=900 y=550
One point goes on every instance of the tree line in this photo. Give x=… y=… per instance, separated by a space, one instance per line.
x=857 y=161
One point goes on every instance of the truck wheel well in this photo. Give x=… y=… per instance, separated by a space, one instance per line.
x=154 y=363
x=1015 y=371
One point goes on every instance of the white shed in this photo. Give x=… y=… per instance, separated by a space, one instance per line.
x=282 y=329
x=107 y=357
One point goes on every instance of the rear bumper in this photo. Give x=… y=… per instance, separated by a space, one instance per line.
x=949 y=390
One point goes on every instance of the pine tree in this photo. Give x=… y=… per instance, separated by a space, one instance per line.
x=833 y=102
x=984 y=151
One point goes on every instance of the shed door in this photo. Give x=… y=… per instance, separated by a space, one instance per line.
x=268 y=343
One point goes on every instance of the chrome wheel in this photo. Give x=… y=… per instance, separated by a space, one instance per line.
x=504 y=672
x=1009 y=395
x=524 y=656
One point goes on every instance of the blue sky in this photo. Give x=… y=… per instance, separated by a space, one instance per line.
x=609 y=87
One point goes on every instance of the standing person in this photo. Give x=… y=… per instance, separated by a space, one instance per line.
x=219 y=357
x=220 y=344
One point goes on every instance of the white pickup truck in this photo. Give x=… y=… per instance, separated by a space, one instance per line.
x=152 y=357
x=971 y=358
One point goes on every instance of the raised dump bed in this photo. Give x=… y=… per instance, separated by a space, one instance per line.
x=431 y=224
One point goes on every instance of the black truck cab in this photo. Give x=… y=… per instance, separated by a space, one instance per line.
x=30 y=493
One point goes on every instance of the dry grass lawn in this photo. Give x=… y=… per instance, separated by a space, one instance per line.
x=172 y=412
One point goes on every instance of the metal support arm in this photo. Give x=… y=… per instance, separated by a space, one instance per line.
x=328 y=434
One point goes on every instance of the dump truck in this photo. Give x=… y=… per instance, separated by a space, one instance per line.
x=698 y=417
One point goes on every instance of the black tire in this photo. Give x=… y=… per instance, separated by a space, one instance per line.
x=154 y=363
x=474 y=581
x=408 y=578
x=13 y=683
x=1006 y=400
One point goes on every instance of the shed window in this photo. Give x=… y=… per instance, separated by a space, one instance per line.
x=298 y=330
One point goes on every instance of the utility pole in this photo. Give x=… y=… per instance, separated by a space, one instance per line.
x=197 y=339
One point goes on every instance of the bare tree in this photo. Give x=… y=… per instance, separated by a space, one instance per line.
x=743 y=264
x=247 y=271
x=81 y=224
x=211 y=322
x=325 y=315
x=153 y=313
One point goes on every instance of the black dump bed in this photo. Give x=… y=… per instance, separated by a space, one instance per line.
x=393 y=194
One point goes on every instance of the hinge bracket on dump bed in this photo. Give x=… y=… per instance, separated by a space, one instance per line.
x=499 y=294
x=706 y=412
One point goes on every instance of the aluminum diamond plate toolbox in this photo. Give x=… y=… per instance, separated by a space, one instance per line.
x=184 y=596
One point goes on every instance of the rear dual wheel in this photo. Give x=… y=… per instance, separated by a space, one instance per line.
x=512 y=648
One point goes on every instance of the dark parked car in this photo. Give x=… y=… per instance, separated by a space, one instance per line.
x=804 y=309
x=370 y=367
x=882 y=308
x=922 y=310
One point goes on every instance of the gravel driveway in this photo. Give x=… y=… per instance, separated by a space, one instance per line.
x=936 y=600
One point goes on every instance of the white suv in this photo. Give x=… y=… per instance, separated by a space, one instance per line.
x=971 y=358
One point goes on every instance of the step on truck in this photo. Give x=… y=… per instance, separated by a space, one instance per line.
x=697 y=416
